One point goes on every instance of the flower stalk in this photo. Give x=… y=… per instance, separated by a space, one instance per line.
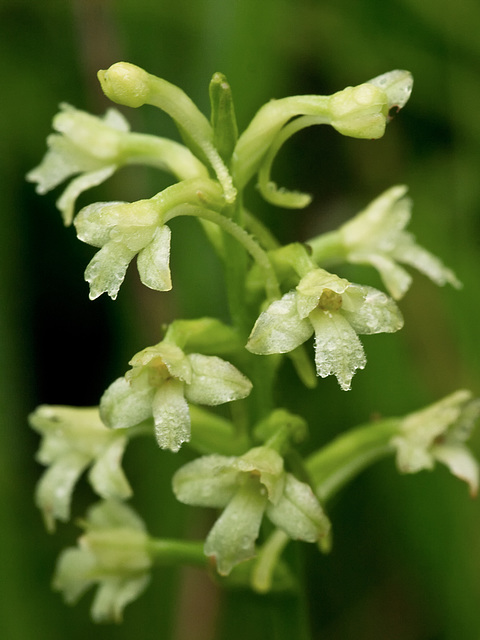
x=211 y=384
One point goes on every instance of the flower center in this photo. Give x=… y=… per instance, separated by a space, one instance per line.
x=157 y=372
x=329 y=301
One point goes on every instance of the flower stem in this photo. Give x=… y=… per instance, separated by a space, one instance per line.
x=165 y=154
x=171 y=552
x=245 y=239
x=337 y=463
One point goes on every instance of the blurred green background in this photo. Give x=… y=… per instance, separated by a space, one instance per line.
x=406 y=558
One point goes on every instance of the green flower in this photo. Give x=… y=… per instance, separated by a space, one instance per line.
x=113 y=553
x=93 y=148
x=123 y=230
x=335 y=311
x=247 y=488
x=87 y=145
x=73 y=440
x=377 y=236
x=438 y=433
x=162 y=381
x=360 y=112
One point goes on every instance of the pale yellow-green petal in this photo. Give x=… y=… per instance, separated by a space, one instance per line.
x=338 y=351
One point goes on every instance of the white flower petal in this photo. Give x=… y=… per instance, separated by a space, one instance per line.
x=412 y=456
x=215 y=381
x=279 y=329
x=461 y=463
x=377 y=314
x=61 y=161
x=298 y=512
x=232 y=538
x=114 y=514
x=95 y=222
x=66 y=202
x=171 y=415
x=106 y=270
x=124 y=405
x=153 y=261
x=315 y=281
x=74 y=573
x=267 y=465
x=107 y=476
x=114 y=594
x=92 y=134
x=338 y=350
x=54 y=490
x=396 y=279
x=397 y=85
x=209 y=481
x=377 y=226
x=408 y=252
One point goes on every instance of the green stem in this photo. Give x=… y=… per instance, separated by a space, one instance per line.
x=172 y=552
x=255 y=141
x=336 y=464
x=162 y=153
x=282 y=197
x=260 y=231
x=246 y=240
x=267 y=559
x=235 y=265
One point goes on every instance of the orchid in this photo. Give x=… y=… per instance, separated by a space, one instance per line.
x=73 y=440
x=93 y=148
x=247 y=488
x=335 y=311
x=113 y=553
x=161 y=383
x=123 y=230
x=377 y=236
x=438 y=434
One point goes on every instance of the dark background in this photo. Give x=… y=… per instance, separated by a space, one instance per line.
x=406 y=558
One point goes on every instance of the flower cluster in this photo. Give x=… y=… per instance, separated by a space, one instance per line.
x=159 y=394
